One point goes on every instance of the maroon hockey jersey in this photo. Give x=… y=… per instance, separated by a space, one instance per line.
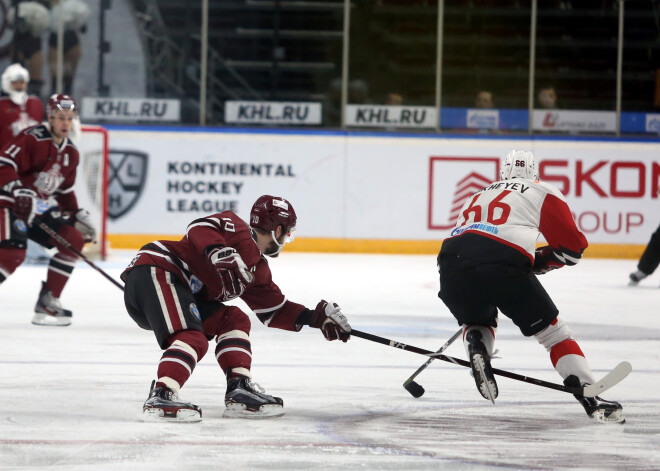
x=14 y=118
x=189 y=260
x=34 y=159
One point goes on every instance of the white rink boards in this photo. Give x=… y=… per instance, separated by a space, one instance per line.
x=72 y=396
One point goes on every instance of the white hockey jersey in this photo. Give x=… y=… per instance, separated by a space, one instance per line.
x=514 y=212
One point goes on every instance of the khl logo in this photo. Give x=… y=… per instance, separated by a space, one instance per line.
x=127 y=175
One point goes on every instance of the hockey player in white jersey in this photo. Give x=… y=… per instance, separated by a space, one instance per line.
x=490 y=263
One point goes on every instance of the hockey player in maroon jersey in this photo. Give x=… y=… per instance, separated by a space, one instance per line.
x=490 y=263
x=178 y=289
x=40 y=164
x=17 y=110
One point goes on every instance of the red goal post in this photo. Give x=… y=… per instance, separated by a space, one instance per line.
x=91 y=185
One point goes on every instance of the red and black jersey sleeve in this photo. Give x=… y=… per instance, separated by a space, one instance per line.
x=206 y=233
x=268 y=303
x=559 y=229
x=15 y=158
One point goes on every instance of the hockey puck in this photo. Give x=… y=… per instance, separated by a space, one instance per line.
x=415 y=389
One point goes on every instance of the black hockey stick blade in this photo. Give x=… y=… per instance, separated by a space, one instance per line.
x=414 y=388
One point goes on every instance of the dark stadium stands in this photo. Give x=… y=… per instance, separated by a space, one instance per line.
x=291 y=49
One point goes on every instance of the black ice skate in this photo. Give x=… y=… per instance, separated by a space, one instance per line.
x=480 y=363
x=162 y=405
x=636 y=277
x=597 y=408
x=49 y=311
x=243 y=400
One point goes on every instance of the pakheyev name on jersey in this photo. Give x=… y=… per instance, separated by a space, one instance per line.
x=479 y=226
x=506 y=186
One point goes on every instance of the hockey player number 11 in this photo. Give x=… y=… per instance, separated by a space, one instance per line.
x=492 y=206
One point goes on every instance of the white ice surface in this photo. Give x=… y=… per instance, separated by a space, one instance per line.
x=71 y=397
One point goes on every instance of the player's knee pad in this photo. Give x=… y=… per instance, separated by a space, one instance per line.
x=226 y=319
x=73 y=237
x=194 y=342
x=555 y=333
x=10 y=259
x=237 y=320
x=487 y=335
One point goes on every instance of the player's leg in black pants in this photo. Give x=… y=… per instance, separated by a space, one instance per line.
x=649 y=260
x=651 y=256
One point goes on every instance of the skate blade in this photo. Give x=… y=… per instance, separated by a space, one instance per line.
x=487 y=388
x=266 y=411
x=615 y=417
x=48 y=320
x=182 y=415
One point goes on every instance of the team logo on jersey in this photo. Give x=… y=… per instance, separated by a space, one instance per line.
x=48 y=182
x=452 y=181
x=196 y=284
x=20 y=226
x=194 y=311
x=127 y=174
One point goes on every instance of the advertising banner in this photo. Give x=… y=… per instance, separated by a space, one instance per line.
x=272 y=112
x=483 y=119
x=652 y=123
x=574 y=121
x=160 y=182
x=388 y=116
x=130 y=109
x=369 y=188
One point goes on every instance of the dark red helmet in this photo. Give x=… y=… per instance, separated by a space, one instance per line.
x=268 y=212
x=61 y=102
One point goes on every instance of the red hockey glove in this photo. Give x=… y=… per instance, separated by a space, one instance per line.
x=24 y=203
x=333 y=324
x=232 y=270
x=545 y=261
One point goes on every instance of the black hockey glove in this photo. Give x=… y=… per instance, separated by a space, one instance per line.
x=333 y=324
x=545 y=261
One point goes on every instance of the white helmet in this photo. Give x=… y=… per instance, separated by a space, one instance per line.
x=519 y=164
x=11 y=74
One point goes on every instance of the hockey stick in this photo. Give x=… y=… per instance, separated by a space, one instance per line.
x=415 y=388
x=612 y=378
x=62 y=242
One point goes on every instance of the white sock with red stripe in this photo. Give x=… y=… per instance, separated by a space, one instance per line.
x=565 y=353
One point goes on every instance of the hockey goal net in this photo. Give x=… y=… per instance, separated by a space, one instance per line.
x=91 y=184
